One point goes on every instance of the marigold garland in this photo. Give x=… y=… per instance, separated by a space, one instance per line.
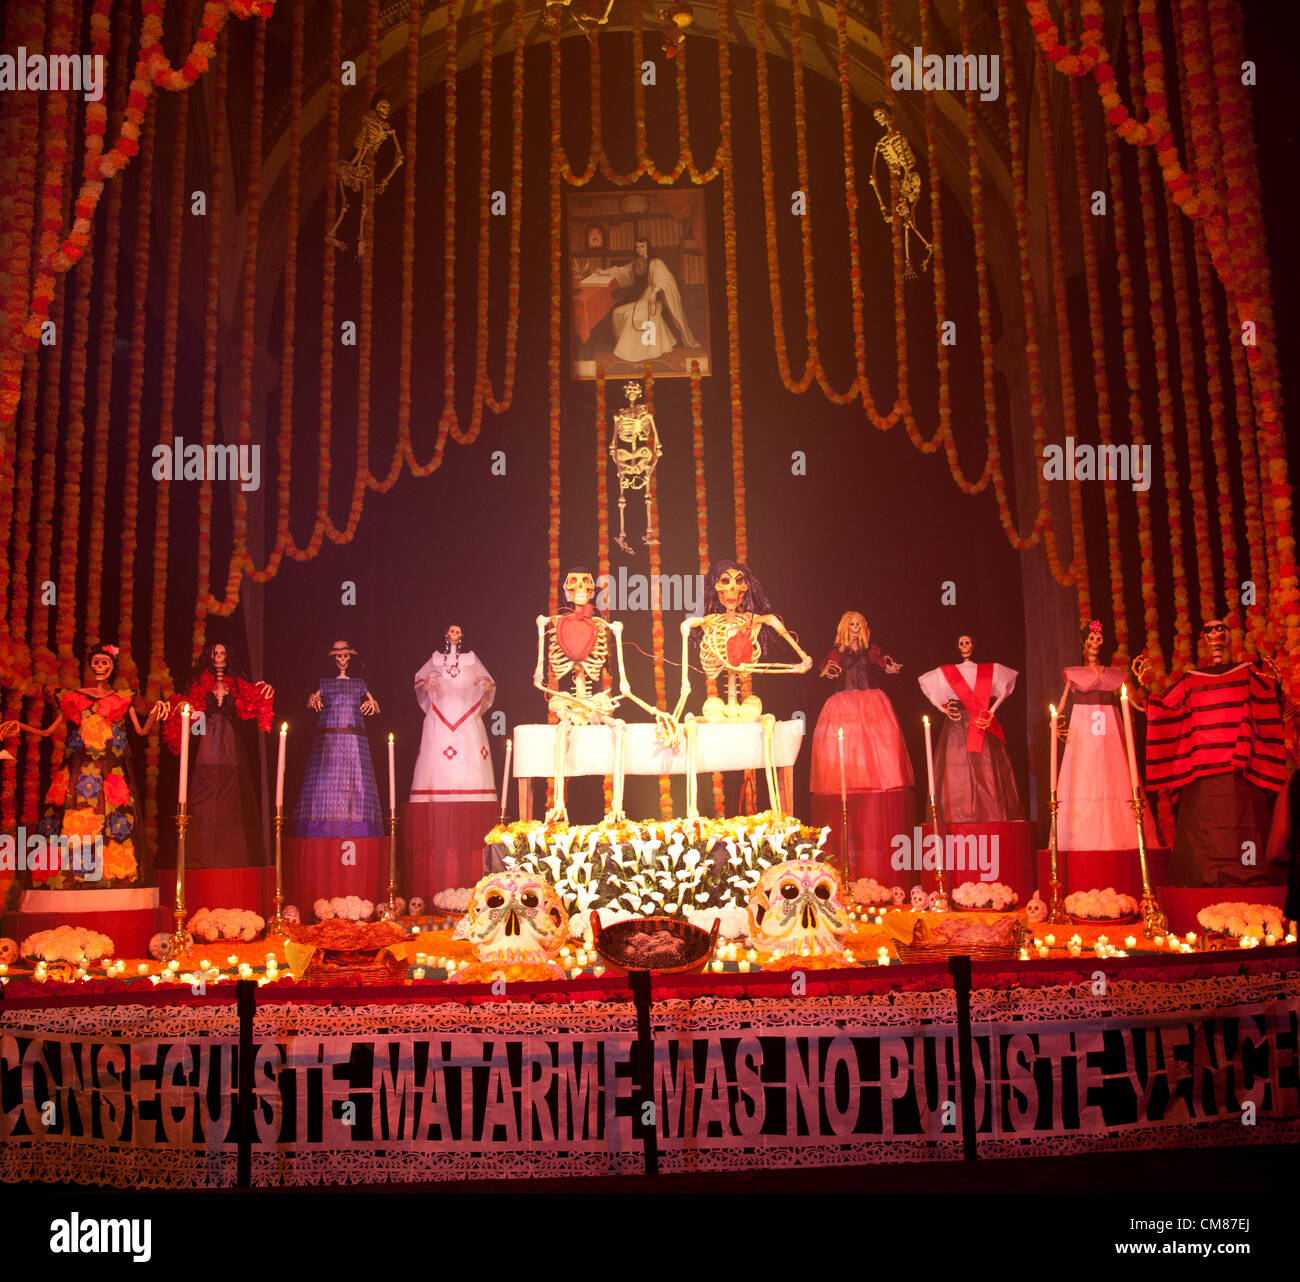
x=656 y=606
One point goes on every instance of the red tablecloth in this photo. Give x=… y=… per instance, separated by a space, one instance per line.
x=130 y=930
x=590 y=305
x=441 y=845
x=1182 y=903
x=1097 y=869
x=334 y=867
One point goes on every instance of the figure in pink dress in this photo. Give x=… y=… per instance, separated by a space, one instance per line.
x=1093 y=786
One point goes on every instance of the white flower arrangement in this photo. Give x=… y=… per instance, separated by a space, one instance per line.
x=733 y=923
x=990 y=895
x=453 y=901
x=349 y=908
x=1242 y=920
x=67 y=943
x=1100 y=905
x=669 y=867
x=869 y=891
x=212 y=924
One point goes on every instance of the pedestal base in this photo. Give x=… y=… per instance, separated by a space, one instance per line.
x=333 y=867
x=1097 y=869
x=130 y=918
x=440 y=845
x=248 y=888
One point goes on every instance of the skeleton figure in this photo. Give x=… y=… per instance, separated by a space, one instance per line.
x=730 y=641
x=358 y=173
x=635 y=450
x=899 y=159
x=515 y=916
x=574 y=645
x=797 y=909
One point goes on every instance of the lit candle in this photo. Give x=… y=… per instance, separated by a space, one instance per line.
x=844 y=795
x=929 y=758
x=392 y=779
x=1128 y=739
x=185 y=753
x=505 y=778
x=1052 y=706
x=279 y=769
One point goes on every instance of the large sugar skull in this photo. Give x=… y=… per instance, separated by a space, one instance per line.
x=8 y=952
x=796 y=908
x=515 y=916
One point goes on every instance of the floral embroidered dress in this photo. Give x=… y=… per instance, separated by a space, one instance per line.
x=92 y=795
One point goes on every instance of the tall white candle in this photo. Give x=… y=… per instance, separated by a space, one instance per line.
x=185 y=753
x=1128 y=739
x=844 y=795
x=1052 y=706
x=505 y=777
x=929 y=757
x=279 y=769
x=392 y=779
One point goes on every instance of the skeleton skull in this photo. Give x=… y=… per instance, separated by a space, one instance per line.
x=579 y=587
x=515 y=916
x=797 y=908
x=898 y=895
x=731 y=588
x=160 y=946
x=8 y=952
x=1036 y=909
x=918 y=899
x=416 y=906
x=292 y=914
x=399 y=906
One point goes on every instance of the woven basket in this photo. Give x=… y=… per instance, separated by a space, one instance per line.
x=609 y=942
x=353 y=969
x=914 y=952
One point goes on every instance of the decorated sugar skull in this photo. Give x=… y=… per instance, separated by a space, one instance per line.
x=399 y=906
x=515 y=916
x=898 y=895
x=1036 y=909
x=933 y=900
x=160 y=946
x=798 y=906
x=8 y=952
x=416 y=906
x=291 y=913
x=919 y=899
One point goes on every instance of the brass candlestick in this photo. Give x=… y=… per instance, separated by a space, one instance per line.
x=1154 y=922
x=1056 y=914
x=277 y=923
x=179 y=946
x=941 y=902
x=389 y=911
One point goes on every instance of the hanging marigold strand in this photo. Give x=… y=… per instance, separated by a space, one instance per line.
x=656 y=603
x=405 y=451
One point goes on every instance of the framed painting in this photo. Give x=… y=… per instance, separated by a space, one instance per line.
x=638 y=276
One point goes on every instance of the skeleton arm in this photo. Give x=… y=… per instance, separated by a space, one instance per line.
x=398 y=159
x=880 y=200
x=666 y=723
x=805 y=660
x=687 y=625
x=539 y=672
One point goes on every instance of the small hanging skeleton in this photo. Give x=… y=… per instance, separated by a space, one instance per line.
x=635 y=450
x=358 y=173
x=901 y=162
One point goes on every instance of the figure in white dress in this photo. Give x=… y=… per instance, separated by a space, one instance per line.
x=643 y=326
x=455 y=690
x=974 y=782
x=1093 y=789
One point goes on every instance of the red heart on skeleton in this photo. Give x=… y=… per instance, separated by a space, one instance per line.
x=740 y=649
x=576 y=636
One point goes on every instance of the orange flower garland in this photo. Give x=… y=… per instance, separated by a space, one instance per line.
x=404 y=453
x=657 y=609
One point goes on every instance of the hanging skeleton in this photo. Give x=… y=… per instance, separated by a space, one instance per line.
x=900 y=160
x=358 y=173
x=635 y=450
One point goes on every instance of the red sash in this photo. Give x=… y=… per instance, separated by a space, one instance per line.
x=975 y=701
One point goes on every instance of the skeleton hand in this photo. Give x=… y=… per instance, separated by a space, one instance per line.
x=669 y=728
x=984 y=719
x=1062 y=730
x=8 y=729
x=1141 y=667
x=369 y=706
x=891 y=667
x=831 y=670
x=265 y=689
x=161 y=710
x=952 y=710
x=315 y=702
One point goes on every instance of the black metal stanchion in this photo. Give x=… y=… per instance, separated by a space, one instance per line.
x=959 y=969
x=245 y=1000
x=649 y=1130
